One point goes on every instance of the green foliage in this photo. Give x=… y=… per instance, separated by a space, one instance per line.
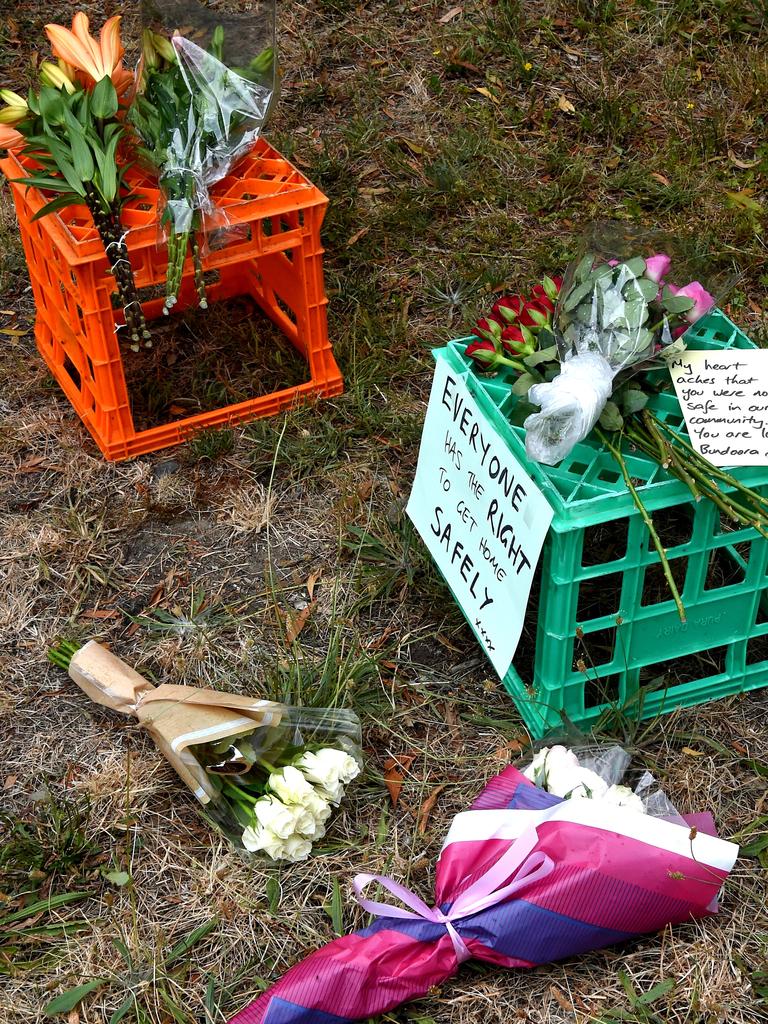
x=212 y=444
x=74 y=140
x=146 y=985
x=44 y=851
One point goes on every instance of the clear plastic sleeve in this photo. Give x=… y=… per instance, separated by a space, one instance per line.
x=277 y=786
x=206 y=84
x=576 y=769
x=624 y=301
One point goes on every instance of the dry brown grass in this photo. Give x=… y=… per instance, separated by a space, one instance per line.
x=94 y=550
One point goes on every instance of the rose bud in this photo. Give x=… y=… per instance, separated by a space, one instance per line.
x=507 y=309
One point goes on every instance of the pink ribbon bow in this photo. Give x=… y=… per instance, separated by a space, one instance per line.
x=486 y=892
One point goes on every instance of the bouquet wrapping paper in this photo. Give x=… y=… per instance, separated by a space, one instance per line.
x=523 y=878
x=177 y=717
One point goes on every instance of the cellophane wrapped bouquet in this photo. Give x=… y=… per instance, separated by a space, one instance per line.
x=621 y=307
x=589 y=352
x=205 y=87
x=267 y=775
x=574 y=852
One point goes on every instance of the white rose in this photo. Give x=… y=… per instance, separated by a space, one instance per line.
x=551 y=761
x=319 y=808
x=264 y=840
x=577 y=784
x=622 y=796
x=296 y=849
x=305 y=824
x=329 y=767
x=291 y=786
x=272 y=814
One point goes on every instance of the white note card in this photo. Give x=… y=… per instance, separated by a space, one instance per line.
x=724 y=398
x=480 y=514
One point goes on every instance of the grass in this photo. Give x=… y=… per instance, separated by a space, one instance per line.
x=453 y=172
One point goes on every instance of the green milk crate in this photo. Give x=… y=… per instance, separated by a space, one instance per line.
x=607 y=632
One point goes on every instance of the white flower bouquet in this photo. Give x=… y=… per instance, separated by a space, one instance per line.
x=277 y=786
x=597 y=772
x=267 y=775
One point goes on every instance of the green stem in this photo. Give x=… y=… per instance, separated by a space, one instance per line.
x=616 y=452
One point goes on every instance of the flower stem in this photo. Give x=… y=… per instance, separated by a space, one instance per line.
x=616 y=452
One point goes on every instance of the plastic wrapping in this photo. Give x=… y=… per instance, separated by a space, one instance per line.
x=623 y=302
x=524 y=878
x=267 y=774
x=259 y=805
x=205 y=88
x=582 y=770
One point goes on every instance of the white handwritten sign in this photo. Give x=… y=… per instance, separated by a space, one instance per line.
x=481 y=516
x=724 y=397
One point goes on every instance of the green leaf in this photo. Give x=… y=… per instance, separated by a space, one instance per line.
x=655 y=993
x=57 y=204
x=635 y=266
x=575 y=295
x=633 y=400
x=40 y=906
x=69 y=1000
x=183 y=947
x=104 y=104
x=678 y=304
x=123 y=1009
x=542 y=355
x=641 y=287
x=119 y=878
x=336 y=909
x=611 y=418
x=273 y=894
x=81 y=157
x=63 y=157
x=584 y=269
x=524 y=383
x=49 y=184
x=52 y=107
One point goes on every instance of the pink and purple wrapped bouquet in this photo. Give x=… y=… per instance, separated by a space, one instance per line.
x=525 y=877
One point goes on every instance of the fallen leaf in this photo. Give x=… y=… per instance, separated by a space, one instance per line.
x=513 y=746
x=744 y=200
x=464 y=64
x=428 y=806
x=365 y=488
x=36 y=464
x=395 y=769
x=74 y=1016
x=295 y=621
x=565 y=104
x=357 y=236
x=177 y=410
x=312 y=582
x=100 y=613
x=13 y=333
x=486 y=92
x=450 y=15
x=10 y=781
x=415 y=147
x=661 y=178
x=743 y=164
x=739 y=747
x=693 y=753
x=560 y=999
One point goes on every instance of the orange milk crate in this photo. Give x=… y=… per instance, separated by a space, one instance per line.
x=275 y=257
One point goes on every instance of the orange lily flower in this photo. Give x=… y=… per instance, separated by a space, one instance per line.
x=95 y=59
x=10 y=138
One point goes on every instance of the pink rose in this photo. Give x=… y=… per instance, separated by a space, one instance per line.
x=702 y=300
x=657 y=266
